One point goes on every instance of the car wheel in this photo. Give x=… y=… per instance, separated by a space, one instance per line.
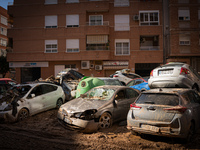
x=23 y=114
x=195 y=87
x=191 y=132
x=59 y=103
x=105 y=121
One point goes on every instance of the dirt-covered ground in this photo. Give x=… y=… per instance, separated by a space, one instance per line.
x=43 y=131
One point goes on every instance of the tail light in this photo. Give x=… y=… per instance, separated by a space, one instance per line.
x=115 y=76
x=178 y=108
x=151 y=74
x=184 y=71
x=134 y=106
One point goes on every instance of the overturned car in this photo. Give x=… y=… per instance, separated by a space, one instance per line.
x=29 y=99
x=97 y=108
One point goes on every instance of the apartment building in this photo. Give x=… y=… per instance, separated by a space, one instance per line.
x=95 y=37
x=182 y=32
x=3 y=31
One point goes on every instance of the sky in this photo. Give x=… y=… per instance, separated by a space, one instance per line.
x=4 y=3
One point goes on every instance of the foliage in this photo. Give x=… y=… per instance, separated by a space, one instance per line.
x=4 y=66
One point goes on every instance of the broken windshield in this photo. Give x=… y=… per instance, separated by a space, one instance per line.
x=100 y=94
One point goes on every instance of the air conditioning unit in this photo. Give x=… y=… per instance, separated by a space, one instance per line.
x=136 y=17
x=98 y=67
x=85 y=64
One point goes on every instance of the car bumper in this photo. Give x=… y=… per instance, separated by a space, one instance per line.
x=7 y=117
x=170 y=82
x=87 y=126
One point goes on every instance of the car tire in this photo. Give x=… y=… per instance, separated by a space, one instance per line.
x=59 y=103
x=195 y=87
x=23 y=114
x=190 y=133
x=105 y=121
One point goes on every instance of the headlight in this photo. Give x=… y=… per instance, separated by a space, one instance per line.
x=86 y=115
x=9 y=107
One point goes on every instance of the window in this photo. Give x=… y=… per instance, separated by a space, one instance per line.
x=51 y=21
x=3 y=52
x=51 y=46
x=122 y=23
x=72 y=45
x=4 y=20
x=131 y=93
x=51 y=1
x=183 y=15
x=3 y=31
x=96 y=20
x=122 y=47
x=72 y=20
x=184 y=39
x=149 y=42
x=3 y=42
x=149 y=18
x=121 y=3
x=72 y=1
x=97 y=42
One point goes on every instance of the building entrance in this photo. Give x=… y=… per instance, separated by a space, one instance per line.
x=30 y=74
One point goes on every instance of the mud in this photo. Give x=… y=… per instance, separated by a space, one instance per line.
x=43 y=131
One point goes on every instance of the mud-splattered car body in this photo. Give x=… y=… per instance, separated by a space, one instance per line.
x=29 y=99
x=165 y=112
x=97 y=108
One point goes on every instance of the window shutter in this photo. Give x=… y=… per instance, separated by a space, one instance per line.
x=122 y=23
x=99 y=39
x=4 y=20
x=72 y=20
x=51 y=21
x=51 y=1
x=72 y=43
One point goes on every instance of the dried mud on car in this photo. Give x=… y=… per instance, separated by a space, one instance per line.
x=42 y=131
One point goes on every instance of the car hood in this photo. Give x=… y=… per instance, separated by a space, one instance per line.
x=81 y=104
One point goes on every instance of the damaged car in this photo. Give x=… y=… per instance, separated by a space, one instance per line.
x=172 y=112
x=26 y=100
x=98 y=108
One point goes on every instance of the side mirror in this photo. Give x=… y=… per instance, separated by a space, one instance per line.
x=32 y=95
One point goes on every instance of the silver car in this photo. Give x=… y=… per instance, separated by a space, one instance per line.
x=174 y=75
x=97 y=108
x=29 y=99
x=166 y=112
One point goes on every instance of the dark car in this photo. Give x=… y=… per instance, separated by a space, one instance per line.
x=97 y=108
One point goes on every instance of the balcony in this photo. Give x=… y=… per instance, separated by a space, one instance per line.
x=150 y=48
x=95 y=28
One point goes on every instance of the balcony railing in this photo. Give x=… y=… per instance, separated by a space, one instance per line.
x=94 y=48
x=104 y=23
x=149 y=47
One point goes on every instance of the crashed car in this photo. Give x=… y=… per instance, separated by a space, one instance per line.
x=172 y=112
x=125 y=75
x=139 y=84
x=29 y=99
x=97 y=108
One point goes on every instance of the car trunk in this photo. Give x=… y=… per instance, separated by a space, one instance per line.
x=156 y=107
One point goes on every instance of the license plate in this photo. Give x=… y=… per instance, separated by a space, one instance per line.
x=165 y=72
x=67 y=120
x=151 y=128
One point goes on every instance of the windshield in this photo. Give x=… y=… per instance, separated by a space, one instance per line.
x=100 y=94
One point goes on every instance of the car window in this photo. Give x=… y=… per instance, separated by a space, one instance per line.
x=131 y=93
x=158 y=99
x=132 y=76
x=2 y=89
x=48 y=88
x=196 y=74
x=197 y=97
x=2 y=82
x=111 y=82
x=12 y=83
x=37 y=91
x=120 y=95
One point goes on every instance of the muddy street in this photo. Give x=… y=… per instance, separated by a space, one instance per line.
x=43 y=131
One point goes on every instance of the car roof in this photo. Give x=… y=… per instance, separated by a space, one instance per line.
x=113 y=87
x=5 y=79
x=168 y=90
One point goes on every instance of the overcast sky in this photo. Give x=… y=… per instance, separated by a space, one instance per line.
x=4 y=3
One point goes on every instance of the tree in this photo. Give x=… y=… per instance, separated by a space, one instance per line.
x=4 y=66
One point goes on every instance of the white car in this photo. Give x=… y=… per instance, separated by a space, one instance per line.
x=125 y=76
x=29 y=99
x=174 y=74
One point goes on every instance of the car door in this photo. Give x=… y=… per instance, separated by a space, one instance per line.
x=49 y=92
x=35 y=100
